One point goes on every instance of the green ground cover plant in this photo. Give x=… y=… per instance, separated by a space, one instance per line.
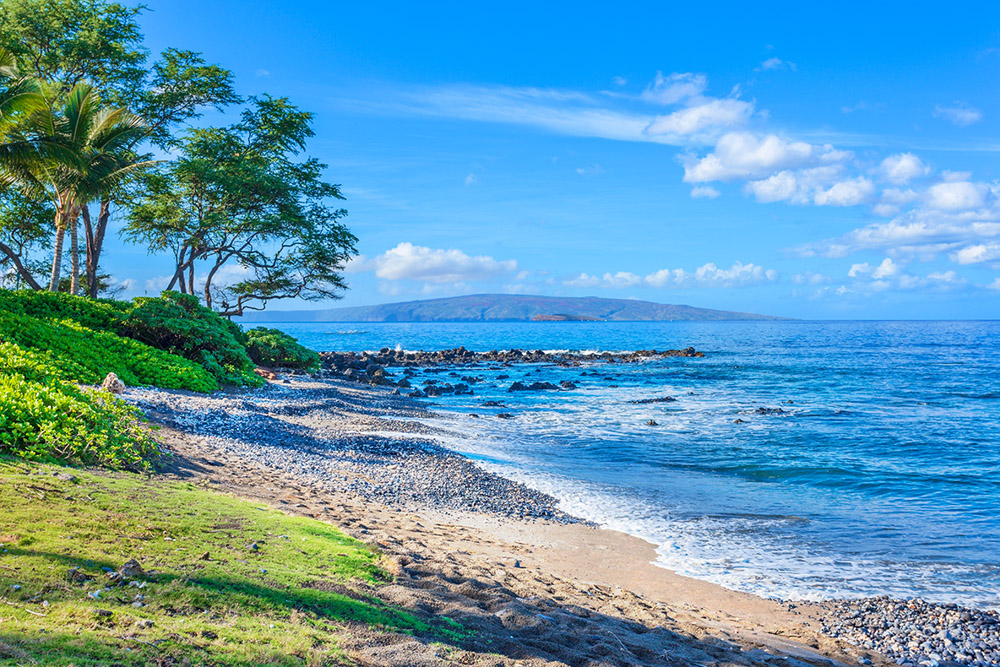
x=275 y=348
x=225 y=581
x=87 y=356
x=45 y=418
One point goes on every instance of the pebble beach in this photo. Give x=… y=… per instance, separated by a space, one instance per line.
x=350 y=433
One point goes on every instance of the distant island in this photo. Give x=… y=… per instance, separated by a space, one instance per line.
x=508 y=308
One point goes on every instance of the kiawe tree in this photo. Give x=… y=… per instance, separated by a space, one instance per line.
x=239 y=200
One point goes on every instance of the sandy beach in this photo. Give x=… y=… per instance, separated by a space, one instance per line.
x=535 y=586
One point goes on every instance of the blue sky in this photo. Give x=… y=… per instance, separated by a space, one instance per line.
x=817 y=162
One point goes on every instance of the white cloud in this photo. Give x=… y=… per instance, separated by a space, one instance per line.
x=901 y=168
x=619 y=80
x=821 y=186
x=957 y=195
x=859 y=270
x=674 y=88
x=412 y=262
x=893 y=199
x=774 y=64
x=958 y=113
x=707 y=275
x=886 y=269
x=262 y=73
x=710 y=275
x=622 y=279
x=994 y=285
x=977 y=254
x=583 y=280
x=948 y=216
x=846 y=193
x=726 y=113
x=704 y=192
x=612 y=280
x=743 y=155
x=470 y=179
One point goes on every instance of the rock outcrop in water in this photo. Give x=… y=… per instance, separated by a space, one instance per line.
x=370 y=367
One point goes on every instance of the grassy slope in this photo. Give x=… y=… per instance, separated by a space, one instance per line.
x=272 y=606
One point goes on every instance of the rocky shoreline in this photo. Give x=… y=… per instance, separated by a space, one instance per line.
x=380 y=454
x=915 y=632
x=383 y=453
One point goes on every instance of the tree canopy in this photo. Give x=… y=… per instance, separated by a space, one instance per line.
x=239 y=201
x=90 y=129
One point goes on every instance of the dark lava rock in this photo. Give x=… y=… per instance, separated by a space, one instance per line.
x=658 y=399
x=534 y=386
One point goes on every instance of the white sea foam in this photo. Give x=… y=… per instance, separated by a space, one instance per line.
x=757 y=554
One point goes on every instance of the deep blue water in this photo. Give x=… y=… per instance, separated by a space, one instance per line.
x=882 y=476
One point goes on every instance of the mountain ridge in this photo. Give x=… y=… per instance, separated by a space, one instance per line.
x=509 y=308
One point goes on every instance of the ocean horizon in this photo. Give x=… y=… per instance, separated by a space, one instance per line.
x=799 y=460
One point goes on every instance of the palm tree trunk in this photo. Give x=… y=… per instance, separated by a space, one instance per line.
x=74 y=252
x=57 y=254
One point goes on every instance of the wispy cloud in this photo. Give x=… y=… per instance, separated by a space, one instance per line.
x=687 y=116
x=958 y=113
x=776 y=64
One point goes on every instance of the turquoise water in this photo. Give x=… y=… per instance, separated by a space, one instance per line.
x=881 y=476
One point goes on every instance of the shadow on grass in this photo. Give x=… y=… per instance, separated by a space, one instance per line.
x=335 y=601
x=427 y=609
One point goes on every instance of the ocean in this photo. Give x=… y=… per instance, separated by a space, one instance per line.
x=873 y=468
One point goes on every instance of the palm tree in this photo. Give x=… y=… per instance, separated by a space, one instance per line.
x=20 y=99
x=92 y=157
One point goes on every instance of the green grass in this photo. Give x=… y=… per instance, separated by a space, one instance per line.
x=282 y=604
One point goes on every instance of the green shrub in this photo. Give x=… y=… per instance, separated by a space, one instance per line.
x=44 y=418
x=179 y=324
x=272 y=347
x=102 y=314
x=86 y=356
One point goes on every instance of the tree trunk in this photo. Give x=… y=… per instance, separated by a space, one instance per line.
x=95 y=243
x=57 y=254
x=22 y=271
x=74 y=251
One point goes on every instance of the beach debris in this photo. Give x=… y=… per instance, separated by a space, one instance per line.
x=113 y=384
